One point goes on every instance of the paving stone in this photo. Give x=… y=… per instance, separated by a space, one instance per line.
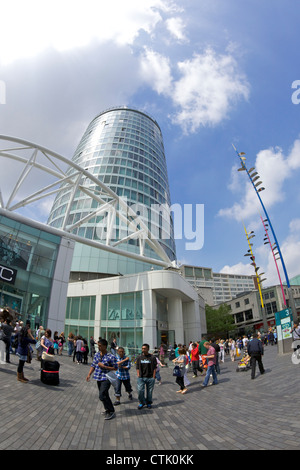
x=237 y=414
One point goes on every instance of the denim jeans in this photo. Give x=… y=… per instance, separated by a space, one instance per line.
x=104 y=386
x=210 y=370
x=79 y=356
x=127 y=386
x=143 y=382
x=70 y=348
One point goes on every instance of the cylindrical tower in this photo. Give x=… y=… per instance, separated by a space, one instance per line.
x=123 y=148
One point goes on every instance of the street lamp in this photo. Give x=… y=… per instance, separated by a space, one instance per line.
x=253 y=176
x=250 y=235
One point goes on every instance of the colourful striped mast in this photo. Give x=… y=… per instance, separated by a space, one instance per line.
x=250 y=235
x=273 y=248
x=254 y=177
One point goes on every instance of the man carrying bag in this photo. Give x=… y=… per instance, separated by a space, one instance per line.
x=103 y=364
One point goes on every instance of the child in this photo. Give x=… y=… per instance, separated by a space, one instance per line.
x=157 y=373
x=123 y=376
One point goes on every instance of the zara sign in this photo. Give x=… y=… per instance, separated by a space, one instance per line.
x=7 y=274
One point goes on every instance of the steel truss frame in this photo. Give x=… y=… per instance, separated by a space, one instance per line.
x=77 y=178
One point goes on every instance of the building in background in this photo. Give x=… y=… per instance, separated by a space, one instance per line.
x=294 y=281
x=112 y=295
x=124 y=149
x=153 y=307
x=246 y=307
x=217 y=287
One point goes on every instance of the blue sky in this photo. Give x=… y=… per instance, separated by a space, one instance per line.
x=211 y=73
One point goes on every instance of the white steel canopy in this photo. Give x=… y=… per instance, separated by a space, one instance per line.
x=33 y=156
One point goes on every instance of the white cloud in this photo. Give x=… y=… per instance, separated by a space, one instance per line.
x=176 y=27
x=274 y=169
x=207 y=89
x=235 y=185
x=155 y=70
x=239 y=268
x=290 y=249
x=72 y=23
x=202 y=89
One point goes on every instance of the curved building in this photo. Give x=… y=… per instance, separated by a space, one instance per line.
x=123 y=148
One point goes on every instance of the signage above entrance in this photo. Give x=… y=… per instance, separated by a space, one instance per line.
x=8 y=274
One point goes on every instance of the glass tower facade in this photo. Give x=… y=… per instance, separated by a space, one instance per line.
x=28 y=258
x=124 y=149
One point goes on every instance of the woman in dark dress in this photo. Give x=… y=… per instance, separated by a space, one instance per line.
x=25 y=339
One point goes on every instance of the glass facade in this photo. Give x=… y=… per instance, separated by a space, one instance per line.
x=31 y=254
x=121 y=318
x=80 y=316
x=124 y=149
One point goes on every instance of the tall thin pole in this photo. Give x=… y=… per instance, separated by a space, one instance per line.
x=258 y=283
x=291 y=298
x=282 y=290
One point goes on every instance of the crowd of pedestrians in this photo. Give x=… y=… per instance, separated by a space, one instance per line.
x=110 y=366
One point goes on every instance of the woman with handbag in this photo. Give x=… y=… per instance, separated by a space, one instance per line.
x=181 y=361
x=25 y=339
x=46 y=341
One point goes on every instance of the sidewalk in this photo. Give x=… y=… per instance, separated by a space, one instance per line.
x=239 y=413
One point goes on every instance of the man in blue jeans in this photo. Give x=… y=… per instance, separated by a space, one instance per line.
x=211 y=358
x=146 y=367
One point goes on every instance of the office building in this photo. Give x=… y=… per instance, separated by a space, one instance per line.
x=124 y=149
x=247 y=312
x=217 y=287
x=111 y=295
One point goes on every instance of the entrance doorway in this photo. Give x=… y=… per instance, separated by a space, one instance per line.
x=166 y=337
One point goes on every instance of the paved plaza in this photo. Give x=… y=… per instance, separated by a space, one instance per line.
x=237 y=414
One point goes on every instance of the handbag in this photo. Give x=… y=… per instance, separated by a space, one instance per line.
x=111 y=375
x=29 y=356
x=83 y=349
x=48 y=357
x=37 y=344
x=176 y=371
